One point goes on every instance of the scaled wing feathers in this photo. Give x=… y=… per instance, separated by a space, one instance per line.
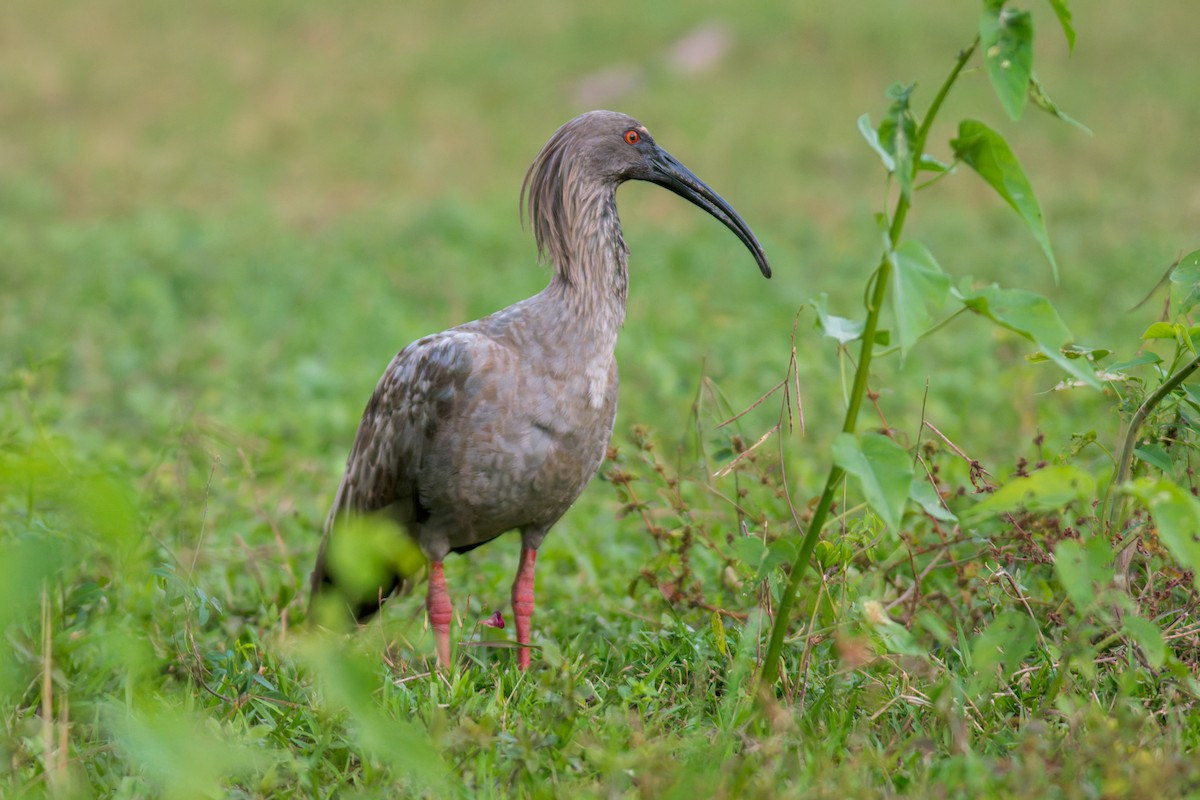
x=416 y=394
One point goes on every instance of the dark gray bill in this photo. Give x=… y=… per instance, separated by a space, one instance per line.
x=670 y=174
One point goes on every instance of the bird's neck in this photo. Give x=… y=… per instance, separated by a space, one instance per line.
x=591 y=267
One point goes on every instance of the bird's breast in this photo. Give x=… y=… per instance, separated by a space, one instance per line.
x=597 y=377
x=539 y=436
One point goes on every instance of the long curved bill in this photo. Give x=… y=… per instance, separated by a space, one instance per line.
x=670 y=174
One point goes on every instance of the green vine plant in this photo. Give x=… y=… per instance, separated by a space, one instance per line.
x=1043 y=512
x=1161 y=429
x=1019 y=584
x=910 y=277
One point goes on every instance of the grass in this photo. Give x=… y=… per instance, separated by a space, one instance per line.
x=217 y=224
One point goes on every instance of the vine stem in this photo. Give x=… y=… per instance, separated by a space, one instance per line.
x=1113 y=520
x=878 y=294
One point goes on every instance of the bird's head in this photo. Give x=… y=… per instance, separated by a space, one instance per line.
x=606 y=148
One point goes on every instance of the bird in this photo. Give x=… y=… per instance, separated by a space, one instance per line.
x=497 y=425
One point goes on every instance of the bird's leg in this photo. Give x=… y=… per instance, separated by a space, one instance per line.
x=437 y=604
x=522 y=602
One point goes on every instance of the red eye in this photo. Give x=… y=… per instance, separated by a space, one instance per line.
x=632 y=136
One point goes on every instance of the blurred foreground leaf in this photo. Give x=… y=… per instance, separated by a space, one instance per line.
x=184 y=756
x=350 y=684
x=366 y=553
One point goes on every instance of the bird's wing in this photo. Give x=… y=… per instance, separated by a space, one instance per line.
x=417 y=393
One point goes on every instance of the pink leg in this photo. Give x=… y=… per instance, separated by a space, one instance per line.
x=437 y=604
x=522 y=601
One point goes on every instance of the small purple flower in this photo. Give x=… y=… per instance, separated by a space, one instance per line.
x=496 y=620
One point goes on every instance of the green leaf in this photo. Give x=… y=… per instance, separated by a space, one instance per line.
x=832 y=554
x=753 y=552
x=1140 y=360
x=917 y=283
x=1148 y=637
x=349 y=683
x=1160 y=330
x=1073 y=351
x=1047 y=489
x=718 y=629
x=780 y=551
x=1033 y=317
x=932 y=624
x=988 y=154
x=1070 y=565
x=923 y=494
x=1155 y=456
x=898 y=135
x=1186 y=335
x=750 y=550
x=1000 y=649
x=1192 y=393
x=1006 y=36
x=24 y=565
x=892 y=635
x=1064 y=19
x=872 y=136
x=1083 y=567
x=883 y=470
x=1037 y=93
x=1185 y=284
x=1177 y=515
x=180 y=752
x=932 y=164
x=840 y=328
x=364 y=553
x=1090 y=353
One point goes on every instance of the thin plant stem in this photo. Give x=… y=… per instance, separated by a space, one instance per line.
x=877 y=296
x=1114 y=521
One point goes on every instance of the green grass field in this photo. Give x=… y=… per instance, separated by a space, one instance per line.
x=219 y=222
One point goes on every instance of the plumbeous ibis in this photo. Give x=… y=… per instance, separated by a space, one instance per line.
x=499 y=424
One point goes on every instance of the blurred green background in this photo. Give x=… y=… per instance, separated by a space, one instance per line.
x=240 y=211
x=231 y=210
x=219 y=221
